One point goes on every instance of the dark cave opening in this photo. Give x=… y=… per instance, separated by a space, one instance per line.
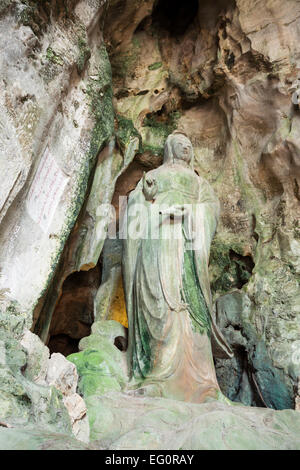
x=63 y=344
x=174 y=16
x=74 y=312
x=244 y=266
x=248 y=390
x=121 y=343
x=236 y=377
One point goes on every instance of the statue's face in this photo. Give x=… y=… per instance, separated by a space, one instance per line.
x=182 y=149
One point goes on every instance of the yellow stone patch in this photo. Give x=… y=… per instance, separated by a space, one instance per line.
x=118 y=307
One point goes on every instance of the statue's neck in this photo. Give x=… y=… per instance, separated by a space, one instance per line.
x=179 y=164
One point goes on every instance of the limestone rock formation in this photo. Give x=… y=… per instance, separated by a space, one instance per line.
x=28 y=438
x=156 y=424
x=224 y=76
x=58 y=372
x=37 y=357
x=63 y=376
x=23 y=402
x=89 y=91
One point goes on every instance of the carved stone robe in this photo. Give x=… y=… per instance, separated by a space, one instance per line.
x=172 y=333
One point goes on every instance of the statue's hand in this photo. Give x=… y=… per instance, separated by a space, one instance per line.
x=178 y=210
x=149 y=187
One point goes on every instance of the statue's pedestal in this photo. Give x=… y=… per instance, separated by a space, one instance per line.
x=125 y=420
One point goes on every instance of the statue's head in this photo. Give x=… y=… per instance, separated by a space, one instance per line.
x=178 y=149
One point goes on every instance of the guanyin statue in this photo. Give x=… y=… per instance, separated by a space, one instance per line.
x=172 y=216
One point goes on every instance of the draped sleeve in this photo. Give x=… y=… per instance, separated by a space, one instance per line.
x=205 y=220
x=131 y=246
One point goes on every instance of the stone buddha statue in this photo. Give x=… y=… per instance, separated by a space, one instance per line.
x=172 y=333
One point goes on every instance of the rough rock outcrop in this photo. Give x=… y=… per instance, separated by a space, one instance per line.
x=24 y=402
x=57 y=112
x=37 y=438
x=58 y=372
x=127 y=423
x=89 y=92
x=62 y=375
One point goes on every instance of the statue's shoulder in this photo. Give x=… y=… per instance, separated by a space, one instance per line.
x=156 y=171
x=202 y=181
x=206 y=191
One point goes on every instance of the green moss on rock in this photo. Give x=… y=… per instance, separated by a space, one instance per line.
x=54 y=57
x=126 y=131
x=100 y=96
x=158 y=128
x=155 y=66
x=98 y=369
x=84 y=54
x=124 y=63
x=228 y=268
x=21 y=400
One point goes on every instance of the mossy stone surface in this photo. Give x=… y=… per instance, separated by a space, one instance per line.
x=37 y=438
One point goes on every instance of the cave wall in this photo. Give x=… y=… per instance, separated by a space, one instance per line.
x=226 y=76
x=56 y=115
x=99 y=86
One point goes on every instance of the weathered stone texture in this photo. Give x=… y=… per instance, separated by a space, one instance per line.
x=89 y=90
x=227 y=79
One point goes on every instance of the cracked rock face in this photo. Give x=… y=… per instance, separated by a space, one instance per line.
x=56 y=115
x=89 y=92
x=60 y=373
